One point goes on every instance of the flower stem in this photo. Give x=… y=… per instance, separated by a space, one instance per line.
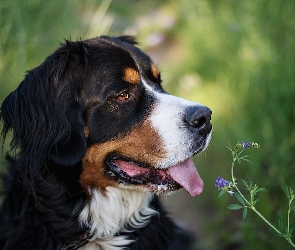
x=274 y=228
x=288 y=216
x=265 y=220
x=233 y=180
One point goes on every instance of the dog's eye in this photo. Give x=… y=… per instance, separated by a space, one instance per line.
x=123 y=96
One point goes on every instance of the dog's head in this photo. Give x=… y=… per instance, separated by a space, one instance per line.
x=100 y=102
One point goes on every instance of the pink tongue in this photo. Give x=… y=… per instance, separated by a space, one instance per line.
x=131 y=169
x=186 y=175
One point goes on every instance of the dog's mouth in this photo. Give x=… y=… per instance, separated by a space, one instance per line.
x=183 y=174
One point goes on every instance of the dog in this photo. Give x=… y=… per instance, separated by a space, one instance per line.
x=97 y=139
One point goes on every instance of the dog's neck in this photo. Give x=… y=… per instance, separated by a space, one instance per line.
x=116 y=210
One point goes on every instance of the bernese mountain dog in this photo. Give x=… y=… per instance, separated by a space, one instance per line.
x=96 y=140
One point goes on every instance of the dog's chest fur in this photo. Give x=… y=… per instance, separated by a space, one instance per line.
x=113 y=212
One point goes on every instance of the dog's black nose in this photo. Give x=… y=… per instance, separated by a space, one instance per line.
x=199 y=118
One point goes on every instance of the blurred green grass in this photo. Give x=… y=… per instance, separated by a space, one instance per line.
x=237 y=57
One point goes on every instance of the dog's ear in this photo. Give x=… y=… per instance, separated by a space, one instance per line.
x=46 y=111
x=126 y=39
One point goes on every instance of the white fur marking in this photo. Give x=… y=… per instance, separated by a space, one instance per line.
x=114 y=212
x=168 y=119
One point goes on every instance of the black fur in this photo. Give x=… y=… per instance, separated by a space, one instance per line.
x=161 y=233
x=47 y=114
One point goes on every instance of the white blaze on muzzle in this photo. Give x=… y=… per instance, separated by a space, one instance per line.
x=178 y=139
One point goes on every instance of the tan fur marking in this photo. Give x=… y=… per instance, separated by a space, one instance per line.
x=131 y=76
x=155 y=71
x=86 y=132
x=141 y=144
x=93 y=169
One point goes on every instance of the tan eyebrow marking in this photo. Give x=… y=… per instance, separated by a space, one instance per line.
x=86 y=132
x=155 y=71
x=131 y=75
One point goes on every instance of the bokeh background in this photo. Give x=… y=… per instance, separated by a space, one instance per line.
x=237 y=57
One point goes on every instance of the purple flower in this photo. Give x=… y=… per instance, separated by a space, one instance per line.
x=249 y=144
x=224 y=185
x=221 y=183
x=245 y=144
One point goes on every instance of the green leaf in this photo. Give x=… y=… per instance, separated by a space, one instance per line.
x=234 y=207
x=260 y=190
x=275 y=232
x=286 y=189
x=221 y=193
x=255 y=201
x=245 y=183
x=240 y=198
x=244 y=158
x=292 y=227
x=244 y=213
x=281 y=222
